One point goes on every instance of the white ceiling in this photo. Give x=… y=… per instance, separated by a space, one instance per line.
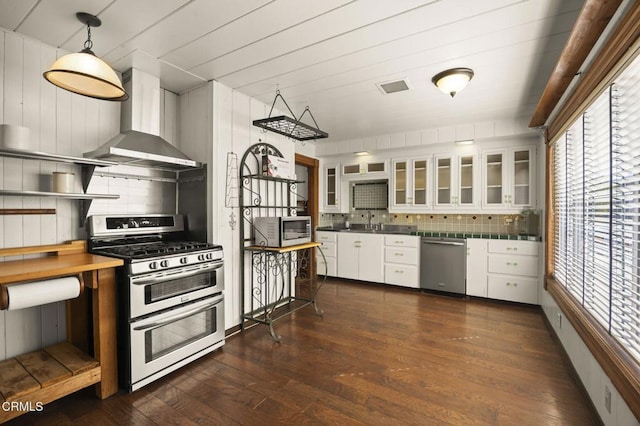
x=327 y=54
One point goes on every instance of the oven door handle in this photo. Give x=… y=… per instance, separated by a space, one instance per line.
x=179 y=316
x=176 y=275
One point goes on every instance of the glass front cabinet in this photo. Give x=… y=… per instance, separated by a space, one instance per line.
x=410 y=186
x=369 y=168
x=456 y=182
x=331 y=190
x=508 y=178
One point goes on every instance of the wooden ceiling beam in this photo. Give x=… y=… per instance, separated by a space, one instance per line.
x=591 y=22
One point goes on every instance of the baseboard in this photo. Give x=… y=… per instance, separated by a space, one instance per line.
x=572 y=371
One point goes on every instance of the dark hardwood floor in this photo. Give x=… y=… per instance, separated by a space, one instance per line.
x=380 y=355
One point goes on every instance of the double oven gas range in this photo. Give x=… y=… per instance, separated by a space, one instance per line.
x=170 y=293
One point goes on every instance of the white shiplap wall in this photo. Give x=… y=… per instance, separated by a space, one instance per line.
x=216 y=120
x=59 y=122
x=63 y=123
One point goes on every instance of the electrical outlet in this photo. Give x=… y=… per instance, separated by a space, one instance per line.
x=559 y=320
x=607 y=398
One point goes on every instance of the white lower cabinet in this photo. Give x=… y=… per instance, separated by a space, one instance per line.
x=513 y=265
x=513 y=288
x=329 y=247
x=477 y=267
x=401 y=258
x=503 y=269
x=360 y=256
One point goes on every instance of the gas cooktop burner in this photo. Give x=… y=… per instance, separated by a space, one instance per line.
x=154 y=243
x=159 y=248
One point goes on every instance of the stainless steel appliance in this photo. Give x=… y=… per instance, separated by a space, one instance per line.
x=170 y=293
x=139 y=143
x=443 y=264
x=282 y=231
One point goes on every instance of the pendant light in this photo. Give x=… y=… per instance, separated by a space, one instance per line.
x=453 y=80
x=84 y=73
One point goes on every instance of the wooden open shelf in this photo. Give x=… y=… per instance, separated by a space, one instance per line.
x=297 y=247
x=43 y=376
x=37 y=378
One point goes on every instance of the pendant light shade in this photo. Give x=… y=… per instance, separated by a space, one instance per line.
x=452 y=81
x=84 y=73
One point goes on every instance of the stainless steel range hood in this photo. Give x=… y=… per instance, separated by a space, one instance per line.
x=139 y=143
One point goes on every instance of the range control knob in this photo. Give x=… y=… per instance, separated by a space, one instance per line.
x=153 y=265
x=164 y=263
x=184 y=260
x=201 y=257
x=209 y=256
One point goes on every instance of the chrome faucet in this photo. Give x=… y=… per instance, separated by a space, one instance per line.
x=369 y=216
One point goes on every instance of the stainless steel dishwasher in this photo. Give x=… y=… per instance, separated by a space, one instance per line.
x=443 y=264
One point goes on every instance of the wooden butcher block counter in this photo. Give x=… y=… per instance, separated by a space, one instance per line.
x=89 y=354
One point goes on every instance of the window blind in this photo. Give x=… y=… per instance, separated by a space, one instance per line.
x=560 y=208
x=575 y=210
x=596 y=197
x=625 y=268
x=597 y=189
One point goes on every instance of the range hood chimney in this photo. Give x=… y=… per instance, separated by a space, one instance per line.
x=139 y=143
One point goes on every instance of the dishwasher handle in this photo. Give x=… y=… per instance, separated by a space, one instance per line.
x=446 y=243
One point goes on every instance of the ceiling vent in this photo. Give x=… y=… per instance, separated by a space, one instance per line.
x=389 y=87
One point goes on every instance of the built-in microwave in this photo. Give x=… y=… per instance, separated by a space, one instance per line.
x=282 y=231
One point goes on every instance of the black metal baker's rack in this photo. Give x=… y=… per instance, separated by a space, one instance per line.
x=268 y=274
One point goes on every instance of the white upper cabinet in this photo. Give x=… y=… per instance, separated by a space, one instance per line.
x=456 y=182
x=331 y=188
x=411 y=184
x=369 y=168
x=496 y=179
x=508 y=181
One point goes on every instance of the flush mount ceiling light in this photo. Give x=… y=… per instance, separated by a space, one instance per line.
x=84 y=73
x=452 y=81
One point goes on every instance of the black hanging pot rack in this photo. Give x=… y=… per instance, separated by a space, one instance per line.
x=291 y=127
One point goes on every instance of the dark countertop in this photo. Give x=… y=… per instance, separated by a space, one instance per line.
x=478 y=235
x=412 y=230
x=376 y=229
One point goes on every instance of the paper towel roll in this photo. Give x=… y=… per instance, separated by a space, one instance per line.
x=26 y=295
